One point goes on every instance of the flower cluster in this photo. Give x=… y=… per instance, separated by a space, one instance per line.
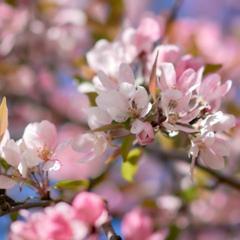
x=168 y=91
x=33 y=153
x=63 y=221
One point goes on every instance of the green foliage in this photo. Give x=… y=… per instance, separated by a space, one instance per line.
x=14 y=216
x=4 y=164
x=211 y=68
x=126 y=146
x=130 y=166
x=190 y=194
x=126 y=124
x=173 y=233
x=92 y=97
x=71 y=185
x=107 y=127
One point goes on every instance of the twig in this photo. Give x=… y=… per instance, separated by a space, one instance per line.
x=109 y=231
x=15 y=208
x=177 y=155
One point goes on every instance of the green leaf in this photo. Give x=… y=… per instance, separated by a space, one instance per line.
x=4 y=164
x=190 y=194
x=107 y=127
x=126 y=146
x=211 y=68
x=80 y=79
x=70 y=185
x=173 y=232
x=92 y=98
x=126 y=124
x=130 y=166
x=14 y=216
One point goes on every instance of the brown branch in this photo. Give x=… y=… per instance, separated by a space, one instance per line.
x=177 y=155
x=109 y=231
x=17 y=207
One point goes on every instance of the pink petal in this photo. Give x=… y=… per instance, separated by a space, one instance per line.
x=137 y=126
x=187 y=80
x=6 y=183
x=168 y=76
x=126 y=74
x=106 y=82
x=52 y=165
x=226 y=87
x=61 y=146
x=83 y=143
x=141 y=97
x=211 y=159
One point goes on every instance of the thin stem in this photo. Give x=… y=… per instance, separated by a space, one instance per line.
x=180 y=156
x=15 y=208
x=109 y=231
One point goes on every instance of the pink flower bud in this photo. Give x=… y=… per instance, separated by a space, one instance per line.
x=90 y=208
x=136 y=225
x=146 y=136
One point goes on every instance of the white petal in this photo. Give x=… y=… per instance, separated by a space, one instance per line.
x=50 y=165
x=137 y=126
x=83 y=143
x=6 y=183
x=61 y=146
x=126 y=74
x=128 y=90
x=141 y=97
x=168 y=76
x=211 y=159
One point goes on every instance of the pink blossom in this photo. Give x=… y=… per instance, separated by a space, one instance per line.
x=91 y=144
x=90 y=208
x=144 y=132
x=59 y=223
x=149 y=31
x=210 y=148
x=210 y=91
x=129 y=102
x=136 y=225
x=41 y=139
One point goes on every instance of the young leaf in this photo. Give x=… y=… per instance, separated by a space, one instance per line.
x=211 y=68
x=3 y=118
x=126 y=146
x=153 y=79
x=14 y=216
x=114 y=155
x=70 y=184
x=92 y=97
x=107 y=128
x=130 y=166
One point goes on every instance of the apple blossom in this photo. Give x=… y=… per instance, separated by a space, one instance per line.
x=41 y=140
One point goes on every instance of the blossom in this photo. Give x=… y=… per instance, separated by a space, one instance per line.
x=41 y=140
x=59 y=223
x=210 y=91
x=92 y=144
x=137 y=225
x=130 y=101
x=211 y=148
x=144 y=132
x=90 y=208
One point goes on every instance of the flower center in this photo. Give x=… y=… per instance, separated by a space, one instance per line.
x=44 y=153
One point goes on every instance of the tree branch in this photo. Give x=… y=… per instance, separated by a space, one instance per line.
x=177 y=155
x=19 y=206
x=109 y=231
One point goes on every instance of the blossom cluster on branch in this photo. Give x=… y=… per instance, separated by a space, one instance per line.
x=141 y=88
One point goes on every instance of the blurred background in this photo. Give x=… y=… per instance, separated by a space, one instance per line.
x=43 y=44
